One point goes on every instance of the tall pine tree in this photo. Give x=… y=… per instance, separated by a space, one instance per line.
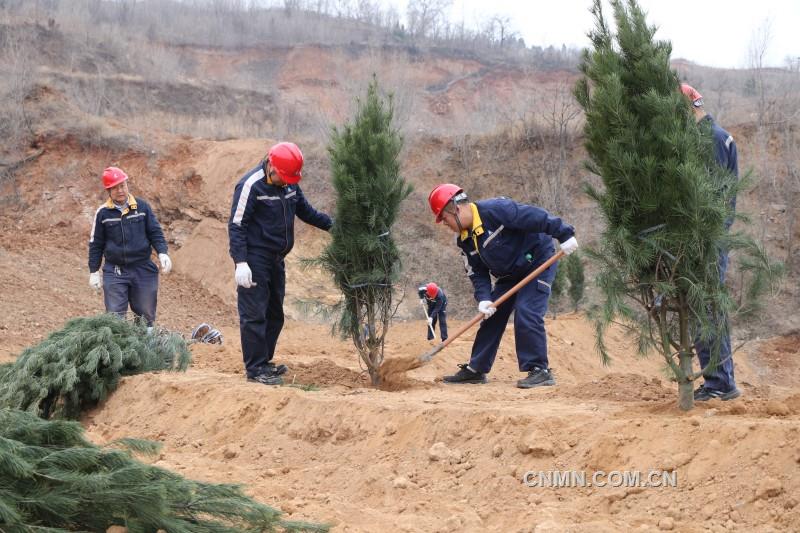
x=362 y=256
x=664 y=199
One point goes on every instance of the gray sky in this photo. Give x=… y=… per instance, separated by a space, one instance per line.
x=695 y=27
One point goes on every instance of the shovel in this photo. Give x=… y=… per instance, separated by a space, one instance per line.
x=513 y=290
x=428 y=319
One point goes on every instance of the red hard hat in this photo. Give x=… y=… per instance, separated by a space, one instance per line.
x=431 y=290
x=287 y=160
x=113 y=176
x=691 y=93
x=441 y=196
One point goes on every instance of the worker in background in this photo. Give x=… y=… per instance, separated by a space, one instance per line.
x=433 y=298
x=124 y=233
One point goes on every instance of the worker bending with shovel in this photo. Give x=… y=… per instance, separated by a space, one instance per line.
x=506 y=240
x=434 y=302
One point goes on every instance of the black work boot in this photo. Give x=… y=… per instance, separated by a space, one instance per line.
x=276 y=370
x=265 y=378
x=465 y=375
x=704 y=394
x=537 y=377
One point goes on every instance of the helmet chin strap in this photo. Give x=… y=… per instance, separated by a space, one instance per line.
x=458 y=219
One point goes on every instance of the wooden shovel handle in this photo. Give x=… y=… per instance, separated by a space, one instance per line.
x=508 y=294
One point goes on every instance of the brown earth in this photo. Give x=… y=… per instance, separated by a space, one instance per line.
x=328 y=447
x=432 y=457
x=423 y=457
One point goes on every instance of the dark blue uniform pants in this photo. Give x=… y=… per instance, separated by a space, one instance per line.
x=136 y=285
x=529 y=306
x=441 y=317
x=721 y=378
x=261 y=313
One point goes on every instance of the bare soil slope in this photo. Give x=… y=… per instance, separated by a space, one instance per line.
x=427 y=457
x=433 y=457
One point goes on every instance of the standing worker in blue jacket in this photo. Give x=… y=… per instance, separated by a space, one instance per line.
x=261 y=234
x=433 y=297
x=718 y=382
x=124 y=232
x=506 y=240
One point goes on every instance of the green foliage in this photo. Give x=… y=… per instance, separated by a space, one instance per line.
x=559 y=284
x=53 y=479
x=574 y=273
x=664 y=199
x=79 y=365
x=362 y=256
x=557 y=289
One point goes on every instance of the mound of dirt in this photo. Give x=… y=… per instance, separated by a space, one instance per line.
x=778 y=360
x=621 y=388
x=324 y=373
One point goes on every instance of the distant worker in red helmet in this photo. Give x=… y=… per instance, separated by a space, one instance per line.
x=124 y=232
x=505 y=240
x=718 y=382
x=434 y=300
x=261 y=234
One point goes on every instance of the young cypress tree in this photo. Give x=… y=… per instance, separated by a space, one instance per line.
x=664 y=199
x=574 y=273
x=362 y=256
x=54 y=480
x=557 y=289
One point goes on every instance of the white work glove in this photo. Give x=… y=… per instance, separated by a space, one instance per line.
x=422 y=301
x=166 y=263
x=244 y=276
x=486 y=308
x=569 y=246
x=430 y=321
x=95 y=281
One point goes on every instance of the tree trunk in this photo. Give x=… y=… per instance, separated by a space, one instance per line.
x=685 y=385
x=374 y=375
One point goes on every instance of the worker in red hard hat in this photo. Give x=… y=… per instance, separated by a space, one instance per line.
x=433 y=298
x=261 y=233
x=124 y=233
x=718 y=382
x=505 y=240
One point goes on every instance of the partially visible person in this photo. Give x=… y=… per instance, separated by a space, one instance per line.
x=261 y=233
x=433 y=297
x=124 y=233
x=719 y=382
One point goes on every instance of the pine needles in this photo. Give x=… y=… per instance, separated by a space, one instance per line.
x=53 y=479
x=79 y=365
x=362 y=257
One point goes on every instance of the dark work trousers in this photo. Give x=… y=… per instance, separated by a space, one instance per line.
x=136 y=285
x=721 y=378
x=261 y=312
x=529 y=306
x=441 y=317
